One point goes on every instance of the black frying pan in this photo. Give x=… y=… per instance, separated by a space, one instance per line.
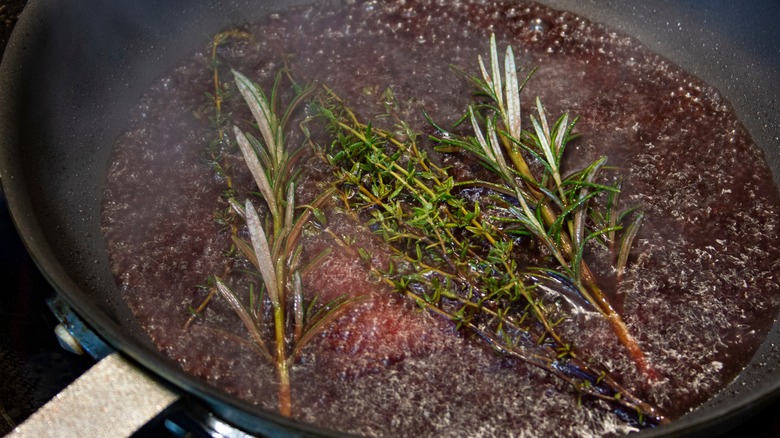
x=73 y=70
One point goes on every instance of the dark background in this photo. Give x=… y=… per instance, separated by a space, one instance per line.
x=33 y=368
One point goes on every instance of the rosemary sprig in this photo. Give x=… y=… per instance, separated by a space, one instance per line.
x=274 y=247
x=553 y=208
x=457 y=258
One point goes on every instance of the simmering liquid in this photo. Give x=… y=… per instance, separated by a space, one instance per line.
x=699 y=294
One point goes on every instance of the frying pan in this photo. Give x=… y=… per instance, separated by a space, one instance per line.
x=73 y=70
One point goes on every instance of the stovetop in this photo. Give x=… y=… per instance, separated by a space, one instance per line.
x=33 y=366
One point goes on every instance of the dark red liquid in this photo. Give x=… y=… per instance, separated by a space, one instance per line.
x=699 y=295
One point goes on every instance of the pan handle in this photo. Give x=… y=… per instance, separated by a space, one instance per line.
x=114 y=398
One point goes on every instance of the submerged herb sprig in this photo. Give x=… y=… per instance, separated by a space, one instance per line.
x=458 y=258
x=557 y=210
x=215 y=154
x=274 y=248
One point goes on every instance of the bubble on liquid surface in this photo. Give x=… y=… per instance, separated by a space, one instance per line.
x=538 y=25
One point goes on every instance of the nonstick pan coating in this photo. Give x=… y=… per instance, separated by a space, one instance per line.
x=73 y=70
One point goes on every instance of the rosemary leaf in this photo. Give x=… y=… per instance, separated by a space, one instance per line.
x=228 y=295
x=298 y=305
x=513 y=113
x=265 y=262
x=258 y=104
x=627 y=242
x=246 y=250
x=327 y=314
x=252 y=162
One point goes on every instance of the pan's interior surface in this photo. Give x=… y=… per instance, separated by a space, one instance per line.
x=72 y=72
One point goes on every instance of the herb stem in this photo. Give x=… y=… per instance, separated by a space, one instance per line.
x=282 y=367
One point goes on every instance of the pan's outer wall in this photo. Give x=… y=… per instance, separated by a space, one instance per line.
x=73 y=70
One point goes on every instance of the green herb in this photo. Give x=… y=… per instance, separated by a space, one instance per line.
x=273 y=247
x=458 y=258
x=555 y=210
x=215 y=152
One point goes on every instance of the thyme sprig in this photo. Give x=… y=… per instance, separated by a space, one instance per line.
x=216 y=157
x=274 y=247
x=497 y=327
x=458 y=258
